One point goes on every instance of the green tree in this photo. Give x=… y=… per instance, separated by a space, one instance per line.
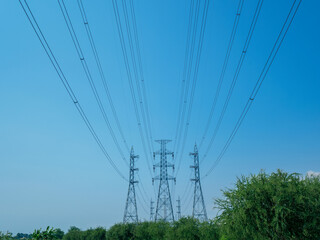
x=73 y=233
x=48 y=234
x=158 y=230
x=121 y=232
x=94 y=234
x=209 y=230
x=59 y=233
x=6 y=236
x=276 y=206
x=142 y=231
x=184 y=229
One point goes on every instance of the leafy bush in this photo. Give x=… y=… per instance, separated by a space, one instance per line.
x=275 y=206
x=6 y=236
x=48 y=234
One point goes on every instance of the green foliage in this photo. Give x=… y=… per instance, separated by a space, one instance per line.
x=75 y=233
x=6 y=236
x=23 y=236
x=121 y=232
x=184 y=229
x=48 y=234
x=275 y=206
x=209 y=230
x=59 y=233
x=94 y=234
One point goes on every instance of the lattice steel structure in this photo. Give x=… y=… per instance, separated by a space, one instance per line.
x=199 y=208
x=151 y=210
x=178 y=209
x=164 y=210
x=130 y=212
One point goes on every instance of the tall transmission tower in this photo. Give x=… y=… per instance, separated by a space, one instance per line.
x=130 y=212
x=178 y=208
x=199 y=208
x=151 y=210
x=164 y=210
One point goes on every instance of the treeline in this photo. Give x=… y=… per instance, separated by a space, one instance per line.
x=277 y=206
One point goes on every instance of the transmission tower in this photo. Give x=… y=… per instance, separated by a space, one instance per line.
x=199 y=208
x=164 y=210
x=151 y=210
x=130 y=212
x=178 y=208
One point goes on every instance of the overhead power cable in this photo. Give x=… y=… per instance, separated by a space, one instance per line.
x=142 y=196
x=101 y=72
x=236 y=75
x=195 y=78
x=223 y=70
x=186 y=58
x=189 y=68
x=281 y=36
x=65 y=82
x=127 y=66
x=88 y=75
x=136 y=74
x=144 y=93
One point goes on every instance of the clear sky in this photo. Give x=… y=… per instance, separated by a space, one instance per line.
x=52 y=171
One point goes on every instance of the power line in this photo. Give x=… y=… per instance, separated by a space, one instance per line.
x=88 y=75
x=188 y=201
x=127 y=66
x=142 y=205
x=223 y=70
x=65 y=82
x=186 y=75
x=184 y=72
x=144 y=200
x=262 y=76
x=101 y=72
x=144 y=94
x=236 y=75
x=135 y=71
x=195 y=77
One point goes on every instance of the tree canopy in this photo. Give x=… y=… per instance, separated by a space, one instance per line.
x=271 y=206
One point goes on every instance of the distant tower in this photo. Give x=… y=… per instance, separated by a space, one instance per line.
x=151 y=210
x=164 y=210
x=199 y=208
x=130 y=212
x=178 y=208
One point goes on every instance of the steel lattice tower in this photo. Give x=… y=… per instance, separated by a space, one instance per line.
x=130 y=212
x=178 y=208
x=151 y=210
x=164 y=210
x=199 y=208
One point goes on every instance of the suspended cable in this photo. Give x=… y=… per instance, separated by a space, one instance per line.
x=88 y=75
x=223 y=70
x=236 y=75
x=186 y=57
x=262 y=76
x=65 y=82
x=142 y=205
x=188 y=198
x=195 y=77
x=187 y=76
x=101 y=72
x=144 y=94
x=127 y=66
x=135 y=71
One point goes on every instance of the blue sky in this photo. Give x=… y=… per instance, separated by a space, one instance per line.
x=53 y=173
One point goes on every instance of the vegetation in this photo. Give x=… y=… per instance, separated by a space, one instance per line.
x=273 y=206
